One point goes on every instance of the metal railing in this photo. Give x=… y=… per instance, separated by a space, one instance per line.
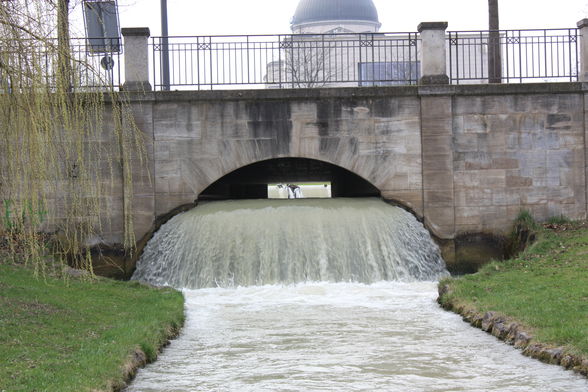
x=287 y=61
x=35 y=63
x=545 y=55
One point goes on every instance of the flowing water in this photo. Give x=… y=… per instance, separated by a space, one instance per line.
x=388 y=336
x=259 y=242
x=372 y=324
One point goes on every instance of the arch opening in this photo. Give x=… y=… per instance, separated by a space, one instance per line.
x=251 y=181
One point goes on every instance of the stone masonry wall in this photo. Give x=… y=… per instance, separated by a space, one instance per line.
x=466 y=158
x=197 y=141
x=515 y=152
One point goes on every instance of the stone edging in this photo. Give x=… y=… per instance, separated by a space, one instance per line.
x=514 y=334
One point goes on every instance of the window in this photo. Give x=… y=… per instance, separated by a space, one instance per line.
x=389 y=73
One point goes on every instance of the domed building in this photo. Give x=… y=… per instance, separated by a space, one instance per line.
x=335 y=16
x=338 y=43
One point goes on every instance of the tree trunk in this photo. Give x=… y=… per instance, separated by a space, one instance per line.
x=494 y=54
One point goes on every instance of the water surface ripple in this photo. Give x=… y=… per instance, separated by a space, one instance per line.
x=387 y=336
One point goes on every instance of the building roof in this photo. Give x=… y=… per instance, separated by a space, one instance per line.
x=327 y=10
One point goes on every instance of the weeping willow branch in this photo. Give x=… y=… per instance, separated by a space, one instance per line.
x=59 y=122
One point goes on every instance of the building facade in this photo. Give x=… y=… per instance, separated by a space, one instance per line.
x=338 y=43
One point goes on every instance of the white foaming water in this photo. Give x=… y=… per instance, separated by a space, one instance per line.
x=388 y=336
x=260 y=242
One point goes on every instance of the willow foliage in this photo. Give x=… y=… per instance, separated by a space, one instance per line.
x=67 y=138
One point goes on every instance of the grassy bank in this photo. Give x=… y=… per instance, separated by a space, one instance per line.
x=544 y=289
x=80 y=335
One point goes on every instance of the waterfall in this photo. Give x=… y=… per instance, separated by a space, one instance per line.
x=259 y=242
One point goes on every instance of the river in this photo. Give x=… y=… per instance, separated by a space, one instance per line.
x=386 y=336
x=258 y=321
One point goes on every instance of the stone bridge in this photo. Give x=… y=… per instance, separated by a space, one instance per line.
x=465 y=159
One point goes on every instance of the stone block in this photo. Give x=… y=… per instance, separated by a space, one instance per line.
x=396 y=127
x=162 y=185
x=162 y=151
x=441 y=221
x=438 y=144
x=303 y=111
x=309 y=147
x=142 y=224
x=534 y=196
x=407 y=107
x=437 y=162
x=547 y=140
x=518 y=182
x=533 y=122
x=504 y=163
x=478 y=197
x=177 y=185
x=475 y=123
x=168 y=168
x=143 y=205
x=560 y=159
x=397 y=181
x=432 y=126
x=505 y=197
x=493 y=179
x=477 y=161
x=439 y=198
x=468 y=105
x=435 y=180
x=307 y=128
x=436 y=107
x=415 y=180
x=143 y=118
x=494 y=217
x=503 y=123
x=465 y=143
x=467 y=179
x=163 y=205
x=492 y=141
x=409 y=198
x=468 y=216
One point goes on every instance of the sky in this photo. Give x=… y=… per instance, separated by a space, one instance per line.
x=220 y=17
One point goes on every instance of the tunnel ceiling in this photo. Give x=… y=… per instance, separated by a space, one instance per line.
x=250 y=182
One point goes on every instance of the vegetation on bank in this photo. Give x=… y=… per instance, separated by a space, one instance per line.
x=81 y=334
x=544 y=288
x=68 y=139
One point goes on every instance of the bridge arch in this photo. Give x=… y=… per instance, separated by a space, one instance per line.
x=251 y=181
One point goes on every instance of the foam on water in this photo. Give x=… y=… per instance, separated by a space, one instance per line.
x=260 y=242
x=387 y=336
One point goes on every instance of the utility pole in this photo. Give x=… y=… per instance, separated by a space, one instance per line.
x=494 y=54
x=64 y=70
x=164 y=47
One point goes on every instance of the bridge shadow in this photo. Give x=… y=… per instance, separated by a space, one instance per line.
x=251 y=181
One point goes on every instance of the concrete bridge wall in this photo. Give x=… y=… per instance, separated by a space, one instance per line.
x=466 y=158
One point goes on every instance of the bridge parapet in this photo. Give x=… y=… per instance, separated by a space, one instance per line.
x=430 y=55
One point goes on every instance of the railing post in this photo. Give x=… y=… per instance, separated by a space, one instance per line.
x=433 y=53
x=136 y=51
x=583 y=33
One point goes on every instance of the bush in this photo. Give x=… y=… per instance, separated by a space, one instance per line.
x=523 y=233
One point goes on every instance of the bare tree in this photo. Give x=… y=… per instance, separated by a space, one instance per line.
x=494 y=54
x=308 y=63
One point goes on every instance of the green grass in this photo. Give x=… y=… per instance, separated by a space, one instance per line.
x=77 y=336
x=545 y=288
